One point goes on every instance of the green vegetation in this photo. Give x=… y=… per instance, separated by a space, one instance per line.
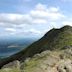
x=10 y=70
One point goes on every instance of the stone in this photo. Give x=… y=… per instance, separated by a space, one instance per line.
x=14 y=64
x=65 y=66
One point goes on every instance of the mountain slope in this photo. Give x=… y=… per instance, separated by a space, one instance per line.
x=55 y=39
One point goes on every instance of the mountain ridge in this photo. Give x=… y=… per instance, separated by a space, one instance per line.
x=55 y=39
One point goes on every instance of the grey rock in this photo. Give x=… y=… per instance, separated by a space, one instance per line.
x=27 y=60
x=65 y=66
x=14 y=64
x=36 y=56
x=44 y=53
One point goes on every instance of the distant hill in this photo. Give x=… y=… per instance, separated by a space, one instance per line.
x=54 y=40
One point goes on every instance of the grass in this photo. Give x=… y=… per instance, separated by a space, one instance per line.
x=10 y=70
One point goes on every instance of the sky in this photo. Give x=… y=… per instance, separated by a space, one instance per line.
x=28 y=18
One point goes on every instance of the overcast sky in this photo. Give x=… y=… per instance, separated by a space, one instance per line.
x=33 y=17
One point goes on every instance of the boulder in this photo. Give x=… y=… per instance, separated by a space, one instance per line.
x=65 y=66
x=14 y=64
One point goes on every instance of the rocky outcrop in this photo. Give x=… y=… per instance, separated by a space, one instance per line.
x=46 y=61
x=14 y=64
x=64 y=66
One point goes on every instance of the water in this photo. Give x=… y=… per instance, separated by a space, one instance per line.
x=11 y=46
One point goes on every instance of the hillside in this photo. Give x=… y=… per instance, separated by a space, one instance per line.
x=55 y=39
x=55 y=47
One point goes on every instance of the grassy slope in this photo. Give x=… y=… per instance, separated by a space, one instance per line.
x=54 y=40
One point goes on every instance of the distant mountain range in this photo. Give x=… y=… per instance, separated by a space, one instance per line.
x=10 y=46
x=55 y=44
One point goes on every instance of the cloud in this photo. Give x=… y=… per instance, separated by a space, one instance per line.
x=39 y=21
x=29 y=32
x=14 y=18
x=44 y=13
x=67 y=23
x=41 y=15
x=35 y=31
x=10 y=29
x=40 y=7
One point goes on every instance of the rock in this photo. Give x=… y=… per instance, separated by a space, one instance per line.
x=6 y=70
x=67 y=47
x=65 y=66
x=24 y=63
x=69 y=51
x=36 y=56
x=27 y=60
x=69 y=68
x=14 y=64
x=44 y=53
